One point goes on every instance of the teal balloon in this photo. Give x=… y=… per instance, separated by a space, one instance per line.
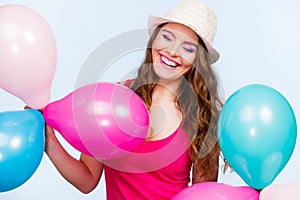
x=257 y=133
x=22 y=144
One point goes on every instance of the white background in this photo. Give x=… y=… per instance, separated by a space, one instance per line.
x=258 y=42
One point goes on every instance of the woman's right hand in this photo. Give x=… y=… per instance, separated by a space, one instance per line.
x=51 y=140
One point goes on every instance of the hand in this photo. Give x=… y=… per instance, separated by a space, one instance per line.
x=51 y=140
x=27 y=107
x=50 y=137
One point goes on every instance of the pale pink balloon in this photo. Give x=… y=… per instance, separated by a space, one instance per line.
x=103 y=120
x=217 y=191
x=290 y=191
x=28 y=55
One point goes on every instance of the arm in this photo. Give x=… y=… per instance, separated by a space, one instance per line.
x=84 y=173
x=199 y=176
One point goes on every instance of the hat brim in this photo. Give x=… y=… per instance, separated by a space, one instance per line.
x=154 y=21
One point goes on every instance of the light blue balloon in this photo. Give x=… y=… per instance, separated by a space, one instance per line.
x=257 y=133
x=22 y=144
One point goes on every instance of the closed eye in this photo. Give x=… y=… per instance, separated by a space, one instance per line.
x=189 y=48
x=167 y=37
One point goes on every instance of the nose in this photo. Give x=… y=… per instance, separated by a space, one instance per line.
x=173 y=50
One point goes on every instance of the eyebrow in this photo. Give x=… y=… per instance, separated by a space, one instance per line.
x=188 y=42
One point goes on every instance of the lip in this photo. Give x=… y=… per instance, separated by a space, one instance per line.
x=167 y=66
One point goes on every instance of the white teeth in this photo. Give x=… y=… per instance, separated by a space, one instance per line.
x=168 y=62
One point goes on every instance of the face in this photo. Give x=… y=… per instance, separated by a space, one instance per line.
x=174 y=51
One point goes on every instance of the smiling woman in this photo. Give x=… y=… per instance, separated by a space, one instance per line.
x=174 y=51
x=256 y=43
x=176 y=76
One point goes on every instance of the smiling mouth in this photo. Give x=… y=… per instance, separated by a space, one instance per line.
x=168 y=62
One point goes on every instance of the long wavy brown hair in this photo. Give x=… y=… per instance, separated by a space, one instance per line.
x=198 y=101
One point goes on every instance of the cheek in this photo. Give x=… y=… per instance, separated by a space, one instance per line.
x=189 y=61
x=154 y=55
x=188 y=58
x=159 y=44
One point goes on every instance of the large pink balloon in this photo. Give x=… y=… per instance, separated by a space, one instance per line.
x=27 y=55
x=103 y=120
x=217 y=191
x=289 y=191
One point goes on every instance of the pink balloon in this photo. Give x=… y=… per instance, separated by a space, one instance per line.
x=103 y=120
x=290 y=191
x=217 y=191
x=27 y=55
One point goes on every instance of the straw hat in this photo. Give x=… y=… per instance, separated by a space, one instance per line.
x=194 y=14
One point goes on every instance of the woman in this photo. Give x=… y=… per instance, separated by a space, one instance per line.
x=179 y=88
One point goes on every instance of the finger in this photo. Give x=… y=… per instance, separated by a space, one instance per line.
x=26 y=107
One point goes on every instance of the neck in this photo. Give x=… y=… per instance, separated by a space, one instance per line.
x=166 y=90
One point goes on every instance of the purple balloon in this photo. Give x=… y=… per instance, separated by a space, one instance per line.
x=217 y=191
x=103 y=120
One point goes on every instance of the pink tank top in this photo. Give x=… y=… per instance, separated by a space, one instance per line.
x=155 y=170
